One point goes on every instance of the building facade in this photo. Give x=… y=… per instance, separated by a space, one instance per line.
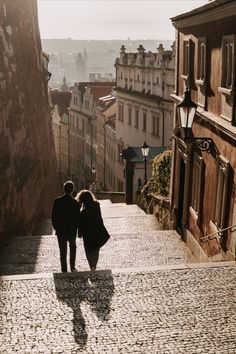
x=85 y=98
x=145 y=82
x=60 y=102
x=203 y=182
x=105 y=108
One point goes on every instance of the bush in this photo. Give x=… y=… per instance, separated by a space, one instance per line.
x=159 y=183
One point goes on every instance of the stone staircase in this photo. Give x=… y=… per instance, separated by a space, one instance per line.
x=135 y=242
x=146 y=297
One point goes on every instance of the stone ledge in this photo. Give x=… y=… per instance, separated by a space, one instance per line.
x=78 y=274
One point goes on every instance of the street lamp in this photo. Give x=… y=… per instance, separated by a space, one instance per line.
x=145 y=152
x=93 y=173
x=187 y=109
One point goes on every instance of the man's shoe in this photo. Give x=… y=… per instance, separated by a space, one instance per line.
x=74 y=270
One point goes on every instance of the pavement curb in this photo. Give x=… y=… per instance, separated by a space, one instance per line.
x=115 y=271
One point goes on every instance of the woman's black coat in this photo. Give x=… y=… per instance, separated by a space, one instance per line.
x=91 y=227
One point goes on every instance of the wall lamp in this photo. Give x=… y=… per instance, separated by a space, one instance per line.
x=187 y=109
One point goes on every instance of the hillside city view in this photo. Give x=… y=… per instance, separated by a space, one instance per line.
x=75 y=59
x=118 y=177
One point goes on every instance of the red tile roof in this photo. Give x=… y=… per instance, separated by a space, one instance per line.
x=98 y=89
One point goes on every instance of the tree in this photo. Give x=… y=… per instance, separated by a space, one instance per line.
x=159 y=183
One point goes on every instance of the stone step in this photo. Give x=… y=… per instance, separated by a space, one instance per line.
x=171 y=311
x=114 y=224
x=34 y=254
x=131 y=224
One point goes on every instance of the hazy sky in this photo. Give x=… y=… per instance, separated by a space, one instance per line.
x=111 y=19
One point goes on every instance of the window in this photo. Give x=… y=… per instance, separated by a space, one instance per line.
x=75 y=100
x=144 y=121
x=222 y=177
x=197 y=183
x=188 y=63
x=138 y=77
x=136 y=118
x=202 y=59
x=129 y=115
x=86 y=104
x=121 y=112
x=228 y=61
x=186 y=58
x=155 y=125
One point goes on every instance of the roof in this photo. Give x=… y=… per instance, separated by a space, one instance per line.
x=134 y=154
x=98 y=89
x=62 y=99
x=212 y=4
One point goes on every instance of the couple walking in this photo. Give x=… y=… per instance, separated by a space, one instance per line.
x=80 y=216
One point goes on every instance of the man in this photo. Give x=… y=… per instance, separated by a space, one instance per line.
x=65 y=219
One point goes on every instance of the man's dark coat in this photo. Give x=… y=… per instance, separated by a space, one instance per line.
x=65 y=216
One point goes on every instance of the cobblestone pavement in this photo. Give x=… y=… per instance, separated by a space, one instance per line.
x=146 y=298
x=166 y=312
x=41 y=254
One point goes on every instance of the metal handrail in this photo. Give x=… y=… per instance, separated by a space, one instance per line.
x=164 y=217
x=205 y=238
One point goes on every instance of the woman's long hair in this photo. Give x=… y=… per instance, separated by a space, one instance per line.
x=85 y=197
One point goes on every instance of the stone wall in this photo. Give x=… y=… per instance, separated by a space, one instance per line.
x=27 y=156
x=158 y=206
x=115 y=197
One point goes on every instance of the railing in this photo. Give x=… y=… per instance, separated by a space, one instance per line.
x=219 y=232
x=163 y=218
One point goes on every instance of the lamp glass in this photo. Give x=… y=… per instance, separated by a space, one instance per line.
x=186 y=116
x=145 y=149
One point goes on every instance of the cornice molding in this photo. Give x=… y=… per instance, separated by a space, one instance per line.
x=213 y=120
x=194 y=18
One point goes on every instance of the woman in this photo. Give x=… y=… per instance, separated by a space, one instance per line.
x=91 y=227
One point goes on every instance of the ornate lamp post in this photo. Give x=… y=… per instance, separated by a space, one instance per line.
x=145 y=152
x=187 y=109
